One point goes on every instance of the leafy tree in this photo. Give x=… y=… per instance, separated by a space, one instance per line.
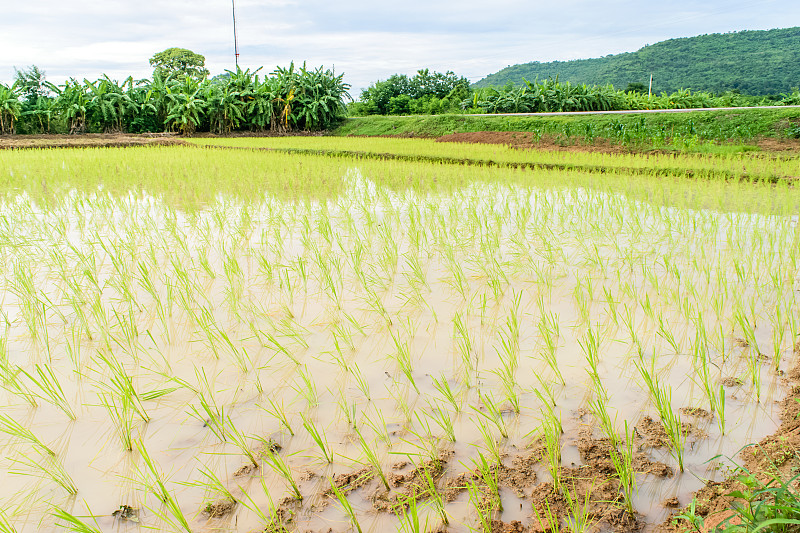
x=186 y=106
x=752 y=62
x=31 y=83
x=425 y=92
x=178 y=63
x=636 y=87
x=71 y=102
x=10 y=108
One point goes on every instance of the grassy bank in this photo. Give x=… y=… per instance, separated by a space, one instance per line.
x=679 y=130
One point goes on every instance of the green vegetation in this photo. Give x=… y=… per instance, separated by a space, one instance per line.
x=427 y=93
x=749 y=62
x=664 y=130
x=553 y=96
x=176 y=100
x=437 y=94
x=178 y=63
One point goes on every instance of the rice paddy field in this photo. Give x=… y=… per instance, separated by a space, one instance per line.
x=344 y=334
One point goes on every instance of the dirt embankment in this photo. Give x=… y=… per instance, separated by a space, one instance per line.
x=88 y=140
x=527 y=140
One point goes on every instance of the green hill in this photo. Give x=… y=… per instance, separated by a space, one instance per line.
x=751 y=62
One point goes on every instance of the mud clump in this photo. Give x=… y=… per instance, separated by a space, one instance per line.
x=515 y=526
x=697 y=412
x=731 y=382
x=351 y=480
x=219 y=508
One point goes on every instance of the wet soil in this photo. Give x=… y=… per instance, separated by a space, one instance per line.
x=775 y=455
x=527 y=140
x=89 y=140
x=116 y=140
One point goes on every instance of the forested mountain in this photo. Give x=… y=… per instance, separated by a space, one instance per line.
x=751 y=62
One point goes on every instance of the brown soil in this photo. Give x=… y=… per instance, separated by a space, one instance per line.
x=731 y=382
x=219 y=508
x=697 y=412
x=523 y=139
x=88 y=140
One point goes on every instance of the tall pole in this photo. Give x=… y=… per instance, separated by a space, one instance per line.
x=235 y=41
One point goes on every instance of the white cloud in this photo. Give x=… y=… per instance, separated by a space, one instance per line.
x=366 y=40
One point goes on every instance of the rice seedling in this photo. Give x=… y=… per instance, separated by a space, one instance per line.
x=546 y=518
x=319 y=438
x=215 y=488
x=46 y=467
x=402 y=357
x=492 y=413
x=269 y=517
x=487 y=473
x=306 y=388
x=120 y=384
x=236 y=437
x=13 y=428
x=279 y=466
x=550 y=429
x=50 y=388
x=580 y=519
x=465 y=348
x=442 y=385
x=372 y=459
x=476 y=499
x=69 y=521
x=670 y=420
x=121 y=413
x=379 y=427
x=622 y=460
x=549 y=331
x=346 y=507
x=409 y=516
x=442 y=419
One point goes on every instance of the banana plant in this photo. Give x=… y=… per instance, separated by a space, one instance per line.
x=10 y=107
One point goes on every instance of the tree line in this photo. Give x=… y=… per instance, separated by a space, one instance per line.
x=749 y=62
x=400 y=95
x=179 y=97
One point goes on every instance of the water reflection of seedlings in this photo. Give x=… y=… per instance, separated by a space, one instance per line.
x=11 y=427
x=74 y=523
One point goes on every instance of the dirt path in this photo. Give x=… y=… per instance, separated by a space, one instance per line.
x=88 y=140
x=528 y=140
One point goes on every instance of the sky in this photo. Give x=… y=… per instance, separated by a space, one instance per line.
x=366 y=41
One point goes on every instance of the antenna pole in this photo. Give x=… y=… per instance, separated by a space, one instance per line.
x=235 y=41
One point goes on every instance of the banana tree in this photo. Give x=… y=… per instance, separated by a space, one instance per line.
x=71 y=103
x=110 y=103
x=185 y=106
x=10 y=108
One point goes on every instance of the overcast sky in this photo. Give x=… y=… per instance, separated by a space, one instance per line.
x=365 y=40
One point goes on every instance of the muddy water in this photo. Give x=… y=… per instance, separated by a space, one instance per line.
x=306 y=306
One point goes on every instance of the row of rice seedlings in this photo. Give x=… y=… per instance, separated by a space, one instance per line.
x=470 y=151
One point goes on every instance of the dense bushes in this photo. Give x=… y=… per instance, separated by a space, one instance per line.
x=400 y=95
x=551 y=95
x=426 y=93
x=288 y=99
